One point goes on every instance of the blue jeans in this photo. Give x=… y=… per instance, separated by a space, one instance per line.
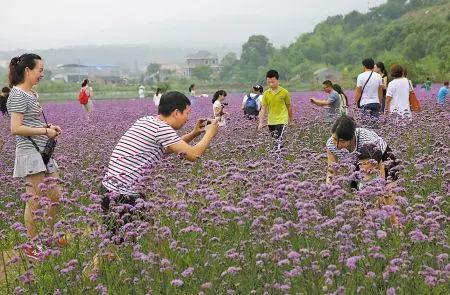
x=372 y=109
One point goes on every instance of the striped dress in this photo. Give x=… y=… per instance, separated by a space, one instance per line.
x=20 y=101
x=139 y=149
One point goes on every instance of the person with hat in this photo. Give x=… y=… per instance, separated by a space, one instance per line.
x=251 y=104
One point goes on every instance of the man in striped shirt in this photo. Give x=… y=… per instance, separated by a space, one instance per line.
x=147 y=141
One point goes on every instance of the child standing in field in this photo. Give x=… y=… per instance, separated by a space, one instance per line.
x=276 y=103
x=219 y=105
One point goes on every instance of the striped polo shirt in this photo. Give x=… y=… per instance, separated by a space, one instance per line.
x=363 y=137
x=20 y=101
x=139 y=149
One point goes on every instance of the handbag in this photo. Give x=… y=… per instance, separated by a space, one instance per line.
x=414 y=103
x=358 y=104
x=49 y=148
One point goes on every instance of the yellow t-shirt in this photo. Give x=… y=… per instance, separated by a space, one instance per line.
x=277 y=103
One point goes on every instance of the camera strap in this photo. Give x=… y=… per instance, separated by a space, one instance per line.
x=31 y=139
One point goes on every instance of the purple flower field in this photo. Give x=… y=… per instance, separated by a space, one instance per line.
x=245 y=219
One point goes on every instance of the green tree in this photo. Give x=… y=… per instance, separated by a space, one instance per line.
x=228 y=66
x=202 y=72
x=153 y=68
x=256 y=53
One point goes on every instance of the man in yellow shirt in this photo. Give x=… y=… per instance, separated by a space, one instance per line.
x=276 y=102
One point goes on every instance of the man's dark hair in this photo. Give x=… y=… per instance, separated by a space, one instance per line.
x=328 y=83
x=397 y=71
x=172 y=101
x=446 y=83
x=273 y=74
x=370 y=152
x=344 y=127
x=368 y=63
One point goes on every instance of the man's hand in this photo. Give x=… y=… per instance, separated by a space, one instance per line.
x=199 y=127
x=213 y=128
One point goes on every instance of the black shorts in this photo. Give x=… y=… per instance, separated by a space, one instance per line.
x=251 y=112
x=113 y=224
x=276 y=130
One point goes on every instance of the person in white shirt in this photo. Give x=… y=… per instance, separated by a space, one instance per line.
x=397 y=95
x=141 y=92
x=218 y=106
x=369 y=89
x=251 y=103
x=157 y=97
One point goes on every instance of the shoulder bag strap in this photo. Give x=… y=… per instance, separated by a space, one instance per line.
x=29 y=137
x=370 y=76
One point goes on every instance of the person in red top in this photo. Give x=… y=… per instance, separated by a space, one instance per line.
x=85 y=98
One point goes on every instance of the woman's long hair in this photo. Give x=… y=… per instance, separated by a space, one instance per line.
x=217 y=94
x=339 y=90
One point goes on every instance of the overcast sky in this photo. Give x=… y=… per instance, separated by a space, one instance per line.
x=43 y=24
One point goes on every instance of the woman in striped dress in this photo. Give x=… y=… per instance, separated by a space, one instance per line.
x=31 y=134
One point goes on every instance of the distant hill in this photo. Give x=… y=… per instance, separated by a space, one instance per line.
x=414 y=33
x=127 y=56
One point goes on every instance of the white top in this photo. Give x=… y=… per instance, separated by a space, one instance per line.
x=370 y=94
x=156 y=99
x=218 y=105
x=253 y=95
x=399 y=89
x=141 y=93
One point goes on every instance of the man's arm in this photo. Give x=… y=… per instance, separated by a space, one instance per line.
x=380 y=93
x=358 y=92
x=320 y=103
x=187 y=138
x=198 y=129
x=262 y=115
x=289 y=107
x=388 y=104
x=192 y=153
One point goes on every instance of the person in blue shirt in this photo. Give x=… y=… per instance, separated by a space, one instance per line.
x=442 y=94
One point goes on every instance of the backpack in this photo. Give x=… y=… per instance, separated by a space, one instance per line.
x=251 y=102
x=83 y=98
